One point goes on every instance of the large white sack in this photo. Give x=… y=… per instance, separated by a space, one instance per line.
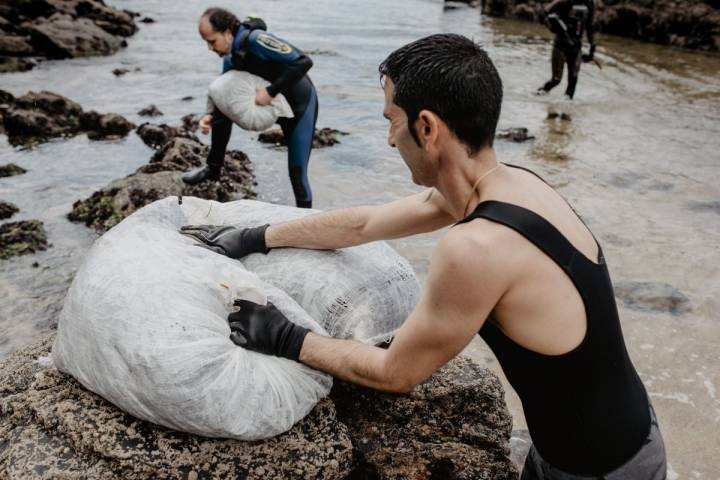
x=234 y=94
x=144 y=325
x=364 y=292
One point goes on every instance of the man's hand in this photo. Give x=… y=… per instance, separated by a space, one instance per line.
x=262 y=97
x=230 y=241
x=205 y=124
x=264 y=329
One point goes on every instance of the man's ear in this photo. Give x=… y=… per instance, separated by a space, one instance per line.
x=427 y=127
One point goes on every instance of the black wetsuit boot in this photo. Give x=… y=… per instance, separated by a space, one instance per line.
x=220 y=136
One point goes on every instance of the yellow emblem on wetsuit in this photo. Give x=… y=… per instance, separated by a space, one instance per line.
x=273 y=43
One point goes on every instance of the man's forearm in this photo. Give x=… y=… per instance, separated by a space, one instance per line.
x=351 y=361
x=321 y=231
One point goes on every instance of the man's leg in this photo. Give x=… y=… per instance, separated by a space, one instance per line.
x=299 y=134
x=557 y=61
x=574 y=60
x=219 y=138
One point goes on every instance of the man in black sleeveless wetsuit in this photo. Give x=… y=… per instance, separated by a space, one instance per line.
x=568 y=20
x=518 y=267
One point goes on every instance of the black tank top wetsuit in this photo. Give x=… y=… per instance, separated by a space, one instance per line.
x=587 y=410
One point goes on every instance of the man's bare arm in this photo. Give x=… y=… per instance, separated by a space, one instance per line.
x=464 y=284
x=420 y=213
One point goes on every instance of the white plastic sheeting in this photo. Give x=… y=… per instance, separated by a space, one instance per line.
x=234 y=94
x=144 y=325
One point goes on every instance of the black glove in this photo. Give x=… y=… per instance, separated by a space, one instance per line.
x=264 y=329
x=229 y=241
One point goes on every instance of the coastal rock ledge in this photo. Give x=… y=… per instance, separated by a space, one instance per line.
x=455 y=426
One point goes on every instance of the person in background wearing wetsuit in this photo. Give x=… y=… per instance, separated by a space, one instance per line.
x=568 y=19
x=517 y=267
x=247 y=46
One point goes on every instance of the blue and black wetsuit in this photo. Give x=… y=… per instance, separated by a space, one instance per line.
x=285 y=67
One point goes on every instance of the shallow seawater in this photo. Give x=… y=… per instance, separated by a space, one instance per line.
x=640 y=161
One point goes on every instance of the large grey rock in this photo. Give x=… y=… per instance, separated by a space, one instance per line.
x=455 y=426
x=37 y=116
x=51 y=427
x=62 y=36
x=156 y=136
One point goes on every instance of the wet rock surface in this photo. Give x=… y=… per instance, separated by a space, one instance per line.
x=690 y=24
x=325 y=137
x=38 y=116
x=10 y=170
x=517 y=134
x=55 y=29
x=7 y=210
x=652 y=297
x=455 y=426
x=160 y=178
x=156 y=136
x=22 y=238
x=150 y=111
x=57 y=429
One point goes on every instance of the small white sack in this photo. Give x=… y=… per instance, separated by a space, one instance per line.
x=144 y=325
x=364 y=292
x=234 y=94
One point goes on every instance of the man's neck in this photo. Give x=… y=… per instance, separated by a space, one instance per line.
x=460 y=173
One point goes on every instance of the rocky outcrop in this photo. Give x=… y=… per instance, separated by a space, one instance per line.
x=689 y=23
x=59 y=29
x=35 y=117
x=10 y=170
x=156 y=136
x=325 y=137
x=7 y=210
x=150 y=111
x=22 y=238
x=455 y=426
x=161 y=178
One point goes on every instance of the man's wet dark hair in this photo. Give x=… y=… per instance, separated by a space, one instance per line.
x=222 y=20
x=453 y=77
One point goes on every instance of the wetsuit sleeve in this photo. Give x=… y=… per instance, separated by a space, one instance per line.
x=272 y=49
x=590 y=27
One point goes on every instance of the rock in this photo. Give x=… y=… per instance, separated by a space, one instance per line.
x=652 y=297
x=36 y=117
x=7 y=210
x=62 y=36
x=187 y=98
x=456 y=425
x=59 y=29
x=520 y=443
x=191 y=122
x=147 y=20
x=104 y=126
x=155 y=136
x=119 y=72
x=150 y=111
x=6 y=98
x=690 y=24
x=162 y=178
x=10 y=170
x=325 y=137
x=15 y=64
x=15 y=45
x=57 y=429
x=712 y=206
x=22 y=238
x=515 y=134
